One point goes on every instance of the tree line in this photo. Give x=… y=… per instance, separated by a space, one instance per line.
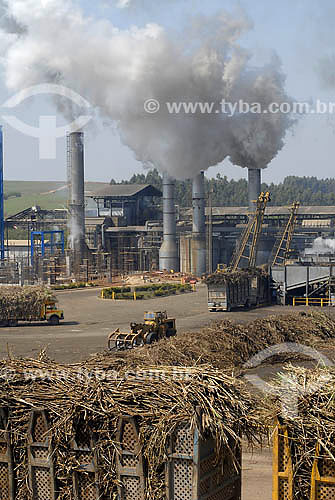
x=231 y=193
x=13 y=194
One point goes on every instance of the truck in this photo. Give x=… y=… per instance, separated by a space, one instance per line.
x=30 y=304
x=242 y=288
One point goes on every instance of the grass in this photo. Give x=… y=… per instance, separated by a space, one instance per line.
x=145 y=291
x=46 y=194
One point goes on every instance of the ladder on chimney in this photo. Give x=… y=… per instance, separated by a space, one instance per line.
x=247 y=248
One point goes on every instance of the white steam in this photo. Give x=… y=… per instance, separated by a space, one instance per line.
x=118 y=70
x=122 y=4
x=321 y=246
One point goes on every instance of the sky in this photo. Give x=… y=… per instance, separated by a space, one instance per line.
x=300 y=32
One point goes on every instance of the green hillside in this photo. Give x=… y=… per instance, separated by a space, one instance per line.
x=46 y=194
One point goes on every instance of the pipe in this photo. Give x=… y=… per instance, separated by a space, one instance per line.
x=77 y=195
x=254 y=186
x=103 y=242
x=198 y=258
x=168 y=254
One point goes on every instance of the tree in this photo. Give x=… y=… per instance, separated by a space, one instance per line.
x=307 y=190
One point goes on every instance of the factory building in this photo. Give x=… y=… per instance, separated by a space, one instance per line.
x=126 y=205
x=124 y=222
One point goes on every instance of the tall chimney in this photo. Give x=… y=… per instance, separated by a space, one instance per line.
x=2 y=219
x=168 y=254
x=77 y=195
x=254 y=186
x=198 y=259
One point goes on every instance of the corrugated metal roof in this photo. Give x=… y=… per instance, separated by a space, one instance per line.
x=126 y=190
x=132 y=229
x=272 y=211
x=317 y=223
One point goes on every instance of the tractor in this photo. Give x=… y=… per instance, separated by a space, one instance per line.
x=156 y=326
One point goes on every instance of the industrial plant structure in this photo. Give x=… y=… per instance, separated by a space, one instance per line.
x=122 y=229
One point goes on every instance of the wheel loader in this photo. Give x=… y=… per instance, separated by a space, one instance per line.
x=156 y=326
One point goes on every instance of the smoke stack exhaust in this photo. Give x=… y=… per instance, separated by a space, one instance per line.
x=168 y=254
x=198 y=259
x=254 y=186
x=77 y=195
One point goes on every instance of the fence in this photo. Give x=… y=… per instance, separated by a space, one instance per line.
x=322 y=474
x=192 y=471
x=319 y=301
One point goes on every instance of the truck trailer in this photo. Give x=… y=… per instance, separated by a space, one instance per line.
x=243 y=288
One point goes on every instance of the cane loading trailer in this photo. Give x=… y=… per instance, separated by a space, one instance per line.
x=242 y=284
x=245 y=291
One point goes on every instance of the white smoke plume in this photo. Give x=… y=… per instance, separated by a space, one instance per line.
x=321 y=246
x=124 y=4
x=118 y=70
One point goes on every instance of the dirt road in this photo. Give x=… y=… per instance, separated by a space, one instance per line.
x=88 y=320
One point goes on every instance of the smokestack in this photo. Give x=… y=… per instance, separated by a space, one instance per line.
x=199 y=226
x=2 y=219
x=77 y=195
x=168 y=254
x=254 y=186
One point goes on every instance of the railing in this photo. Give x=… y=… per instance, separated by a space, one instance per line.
x=322 y=473
x=315 y=301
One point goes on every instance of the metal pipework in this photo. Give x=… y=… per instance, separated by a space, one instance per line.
x=254 y=186
x=198 y=258
x=77 y=195
x=168 y=254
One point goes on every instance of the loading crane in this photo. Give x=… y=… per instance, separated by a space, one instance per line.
x=282 y=248
x=247 y=248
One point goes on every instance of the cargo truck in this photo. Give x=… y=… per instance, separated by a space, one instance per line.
x=49 y=312
x=28 y=304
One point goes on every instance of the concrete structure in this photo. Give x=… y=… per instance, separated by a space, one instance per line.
x=77 y=194
x=254 y=185
x=168 y=254
x=198 y=258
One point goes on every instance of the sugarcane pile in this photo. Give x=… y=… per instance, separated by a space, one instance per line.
x=25 y=302
x=228 y=276
x=226 y=344
x=304 y=401
x=78 y=401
